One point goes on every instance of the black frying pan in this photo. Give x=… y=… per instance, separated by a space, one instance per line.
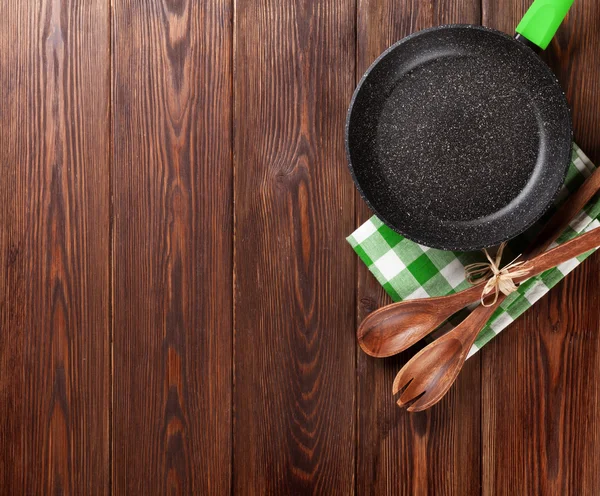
x=459 y=137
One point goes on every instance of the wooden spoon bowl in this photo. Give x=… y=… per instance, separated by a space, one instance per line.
x=397 y=327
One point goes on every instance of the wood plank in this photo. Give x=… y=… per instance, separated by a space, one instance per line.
x=438 y=451
x=295 y=275
x=54 y=247
x=540 y=377
x=172 y=183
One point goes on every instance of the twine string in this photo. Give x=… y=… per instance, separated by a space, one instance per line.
x=499 y=280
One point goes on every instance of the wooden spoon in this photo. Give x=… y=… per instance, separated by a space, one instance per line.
x=395 y=328
x=426 y=378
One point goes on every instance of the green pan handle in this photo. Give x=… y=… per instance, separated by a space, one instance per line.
x=540 y=23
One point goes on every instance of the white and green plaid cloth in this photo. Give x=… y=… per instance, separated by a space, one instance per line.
x=408 y=270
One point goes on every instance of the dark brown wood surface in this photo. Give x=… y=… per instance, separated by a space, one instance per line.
x=178 y=304
x=294 y=351
x=54 y=246
x=172 y=258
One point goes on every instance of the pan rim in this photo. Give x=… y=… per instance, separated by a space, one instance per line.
x=450 y=246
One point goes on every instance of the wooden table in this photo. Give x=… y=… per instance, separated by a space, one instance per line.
x=177 y=300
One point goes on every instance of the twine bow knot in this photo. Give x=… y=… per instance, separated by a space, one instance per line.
x=500 y=280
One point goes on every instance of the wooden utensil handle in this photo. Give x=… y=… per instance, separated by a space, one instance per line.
x=561 y=219
x=561 y=254
x=567 y=251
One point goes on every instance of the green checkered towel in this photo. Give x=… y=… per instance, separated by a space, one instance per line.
x=408 y=270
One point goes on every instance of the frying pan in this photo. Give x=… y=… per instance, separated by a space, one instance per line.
x=459 y=137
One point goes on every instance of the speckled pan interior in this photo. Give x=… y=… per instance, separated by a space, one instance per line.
x=459 y=137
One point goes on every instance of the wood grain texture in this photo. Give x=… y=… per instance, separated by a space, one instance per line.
x=172 y=183
x=54 y=247
x=294 y=273
x=400 y=452
x=117 y=236
x=541 y=396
